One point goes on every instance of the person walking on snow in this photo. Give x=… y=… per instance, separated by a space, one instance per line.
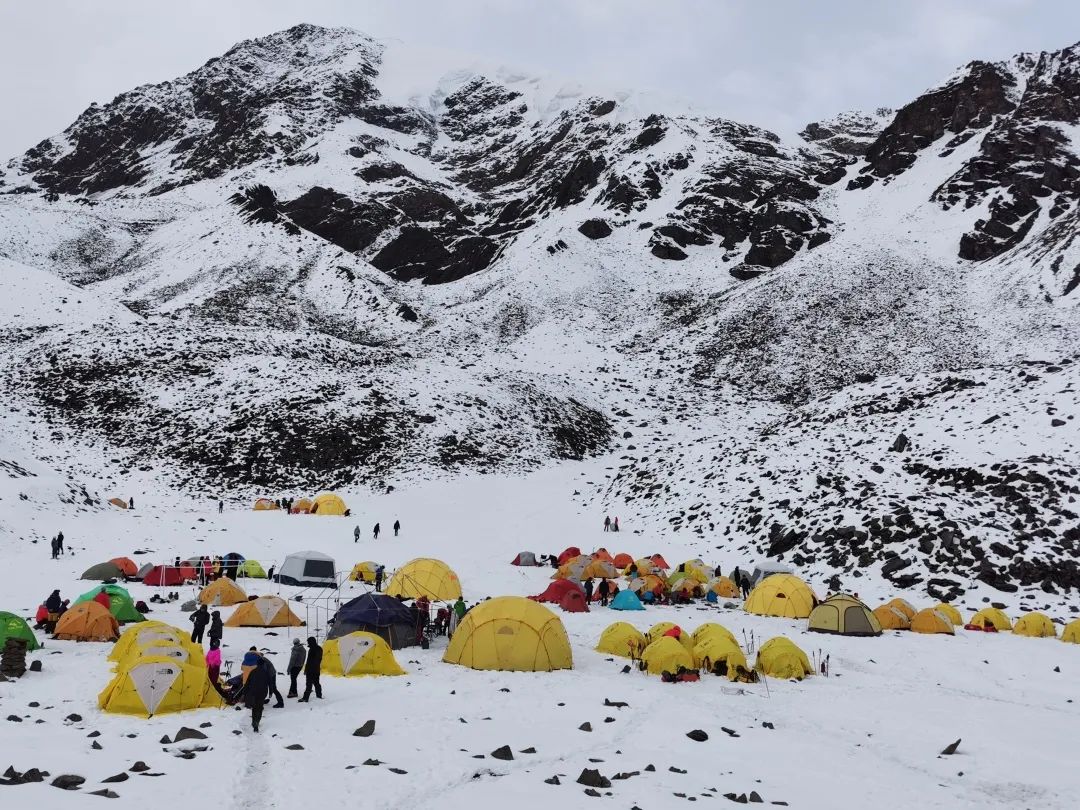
x=296 y=664
x=312 y=670
x=55 y=548
x=607 y=523
x=256 y=690
x=378 y=577
x=213 y=664
x=200 y=618
x=131 y=503
x=588 y=590
x=356 y=535
x=615 y=524
x=397 y=527
x=59 y=542
x=220 y=506
x=375 y=532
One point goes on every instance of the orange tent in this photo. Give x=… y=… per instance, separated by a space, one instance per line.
x=623 y=561
x=265 y=505
x=119 y=503
x=127 y=566
x=659 y=561
x=602 y=554
x=87 y=621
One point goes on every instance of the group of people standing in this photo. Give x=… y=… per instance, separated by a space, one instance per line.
x=257 y=682
x=611 y=525
x=58 y=545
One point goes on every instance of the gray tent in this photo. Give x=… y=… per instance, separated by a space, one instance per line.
x=525 y=558
x=146 y=569
x=102 y=572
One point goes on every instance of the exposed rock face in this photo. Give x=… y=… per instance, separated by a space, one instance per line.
x=848 y=134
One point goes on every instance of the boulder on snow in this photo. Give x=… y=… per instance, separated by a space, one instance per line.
x=68 y=781
x=593 y=778
x=595 y=228
x=365 y=730
x=697 y=735
x=503 y=753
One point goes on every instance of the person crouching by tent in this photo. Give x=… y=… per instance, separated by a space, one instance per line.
x=296 y=664
x=442 y=620
x=54 y=606
x=312 y=670
x=199 y=619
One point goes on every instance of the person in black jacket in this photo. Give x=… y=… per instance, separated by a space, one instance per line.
x=588 y=590
x=53 y=603
x=605 y=589
x=397 y=527
x=312 y=670
x=216 y=627
x=271 y=679
x=296 y=665
x=200 y=618
x=255 y=692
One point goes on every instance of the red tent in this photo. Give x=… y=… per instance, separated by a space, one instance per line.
x=573 y=602
x=569 y=554
x=659 y=561
x=622 y=561
x=557 y=589
x=601 y=554
x=169 y=575
x=525 y=558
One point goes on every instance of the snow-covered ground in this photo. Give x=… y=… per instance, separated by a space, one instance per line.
x=868 y=735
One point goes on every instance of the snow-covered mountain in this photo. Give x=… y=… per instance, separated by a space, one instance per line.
x=315 y=261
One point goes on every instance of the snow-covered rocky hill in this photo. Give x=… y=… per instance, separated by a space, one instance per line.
x=316 y=262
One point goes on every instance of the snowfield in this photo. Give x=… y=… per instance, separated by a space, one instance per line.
x=871 y=733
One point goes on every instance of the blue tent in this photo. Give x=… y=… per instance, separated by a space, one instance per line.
x=626 y=600
x=380 y=614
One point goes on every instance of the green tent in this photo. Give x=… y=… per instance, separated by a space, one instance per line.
x=120 y=603
x=102 y=572
x=12 y=626
x=251 y=568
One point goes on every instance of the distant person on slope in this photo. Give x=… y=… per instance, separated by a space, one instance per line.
x=55 y=548
x=607 y=523
x=131 y=503
x=615 y=524
x=397 y=527
x=59 y=542
x=199 y=619
x=296 y=664
x=220 y=507
x=356 y=535
x=375 y=532
x=312 y=670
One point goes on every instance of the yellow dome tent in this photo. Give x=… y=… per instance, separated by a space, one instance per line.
x=656 y=632
x=359 y=653
x=1035 y=625
x=666 y=654
x=600 y=569
x=266 y=611
x=364 y=572
x=991 y=616
x=142 y=634
x=621 y=639
x=780 y=658
x=327 y=503
x=158 y=685
x=725 y=587
x=952 y=613
x=711 y=630
x=510 y=633
x=844 y=615
x=266 y=505
x=781 y=595
x=425 y=577
x=222 y=592
x=87 y=621
x=182 y=650
x=891 y=618
x=1071 y=633
x=904 y=606
x=721 y=655
x=643 y=566
x=929 y=620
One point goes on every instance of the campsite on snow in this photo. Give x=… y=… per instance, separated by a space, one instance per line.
x=385 y=434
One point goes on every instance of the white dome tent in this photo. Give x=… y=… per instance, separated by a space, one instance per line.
x=309 y=569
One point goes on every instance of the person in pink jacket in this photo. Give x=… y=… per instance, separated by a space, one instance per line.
x=213 y=663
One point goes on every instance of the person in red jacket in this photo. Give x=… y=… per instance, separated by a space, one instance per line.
x=103 y=599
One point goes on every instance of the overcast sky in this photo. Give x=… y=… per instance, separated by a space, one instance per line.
x=777 y=63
